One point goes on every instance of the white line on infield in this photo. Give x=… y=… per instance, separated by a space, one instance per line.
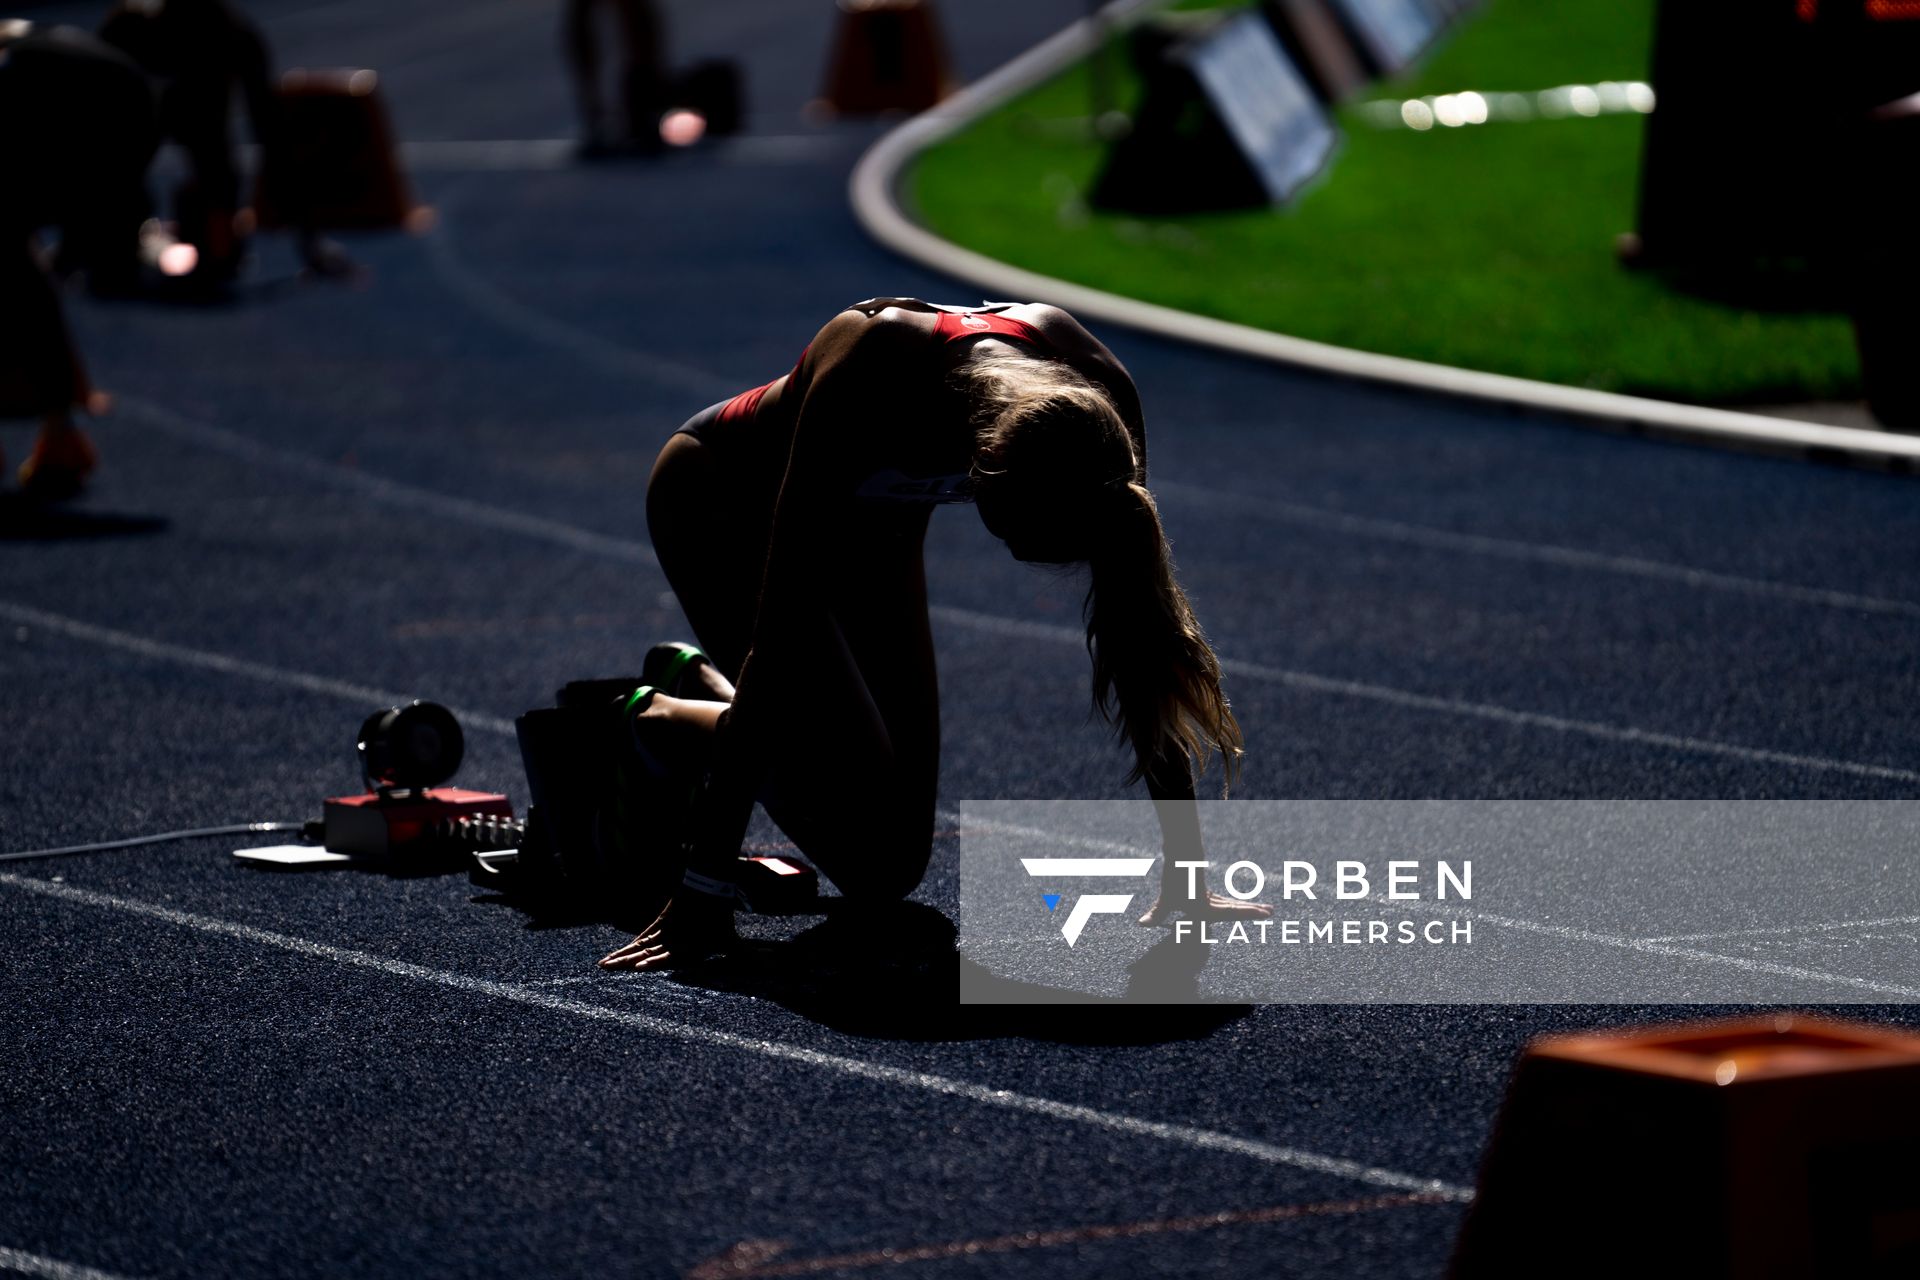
x=872 y=192
x=1179 y=1134
x=32 y=1264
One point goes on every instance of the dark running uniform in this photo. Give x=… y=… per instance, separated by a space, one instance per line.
x=77 y=131
x=198 y=52
x=723 y=425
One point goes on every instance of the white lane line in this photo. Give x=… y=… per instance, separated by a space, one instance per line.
x=1661 y=947
x=1300 y=680
x=494 y=724
x=1308 y=516
x=640 y=553
x=1310 y=683
x=1209 y=1140
x=395 y=493
x=510 y=155
x=1774 y=931
x=32 y=1264
x=479 y=513
x=207 y=660
x=588 y=347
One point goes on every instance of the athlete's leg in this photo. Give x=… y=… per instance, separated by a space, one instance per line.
x=858 y=750
x=581 y=42
x=865 y=816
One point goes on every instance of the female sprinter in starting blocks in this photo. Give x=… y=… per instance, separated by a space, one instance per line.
x=790 y=522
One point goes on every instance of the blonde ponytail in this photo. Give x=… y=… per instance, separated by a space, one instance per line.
x=1155 y=677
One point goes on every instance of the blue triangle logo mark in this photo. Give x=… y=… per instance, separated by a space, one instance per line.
x=1052 y=900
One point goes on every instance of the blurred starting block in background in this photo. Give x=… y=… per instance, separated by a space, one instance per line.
x=888 y=55
x=1225 y=121
x=1319 y=45
x=331 y=165
x=1775 y=1146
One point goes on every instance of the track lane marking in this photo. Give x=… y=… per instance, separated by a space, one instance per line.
x=509 y=313
x=1190 y=1136
x=754 y=1259
x=1774 y=931
x=558 y=333
x=1663 y=947
x=633 y=552
x=1309 y=682
x=1427 y=536
x=207 y=660
x=23 y=1263
x=396 y=493
x=358 y=693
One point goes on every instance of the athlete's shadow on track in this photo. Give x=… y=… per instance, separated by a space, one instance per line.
x=23 y=519
x=894 y=972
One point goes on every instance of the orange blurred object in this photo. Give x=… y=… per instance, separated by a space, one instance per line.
x=331 y=164
x=1775 y=1146
x=61 y=462
x=888 y=55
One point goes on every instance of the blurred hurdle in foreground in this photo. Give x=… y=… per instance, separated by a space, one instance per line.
x=1775 y=1146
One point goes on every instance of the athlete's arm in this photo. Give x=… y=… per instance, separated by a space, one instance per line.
x=1170 y=783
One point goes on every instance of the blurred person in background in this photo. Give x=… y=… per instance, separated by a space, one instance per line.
x=80 y=130
x=641 y=44
x=791 y=520
x=200 y=53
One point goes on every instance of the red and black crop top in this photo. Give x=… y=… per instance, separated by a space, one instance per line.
x=952 y=326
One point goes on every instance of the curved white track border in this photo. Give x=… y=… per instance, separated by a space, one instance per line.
x=873 y=190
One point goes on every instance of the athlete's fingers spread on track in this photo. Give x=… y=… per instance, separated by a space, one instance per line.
x=682 y=933
x=1216 y=906
x=1221 y=907
x=620 y=957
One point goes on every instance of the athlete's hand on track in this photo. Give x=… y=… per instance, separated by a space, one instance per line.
x=1215 y=906
x=689 y=928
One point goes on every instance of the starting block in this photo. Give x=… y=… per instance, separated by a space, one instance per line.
x=1776 y=1146
x=888 y=55
x=332 y=166
x=776 y=886
x=376 y=825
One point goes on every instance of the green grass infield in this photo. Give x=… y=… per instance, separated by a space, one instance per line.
x=1486 y=246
